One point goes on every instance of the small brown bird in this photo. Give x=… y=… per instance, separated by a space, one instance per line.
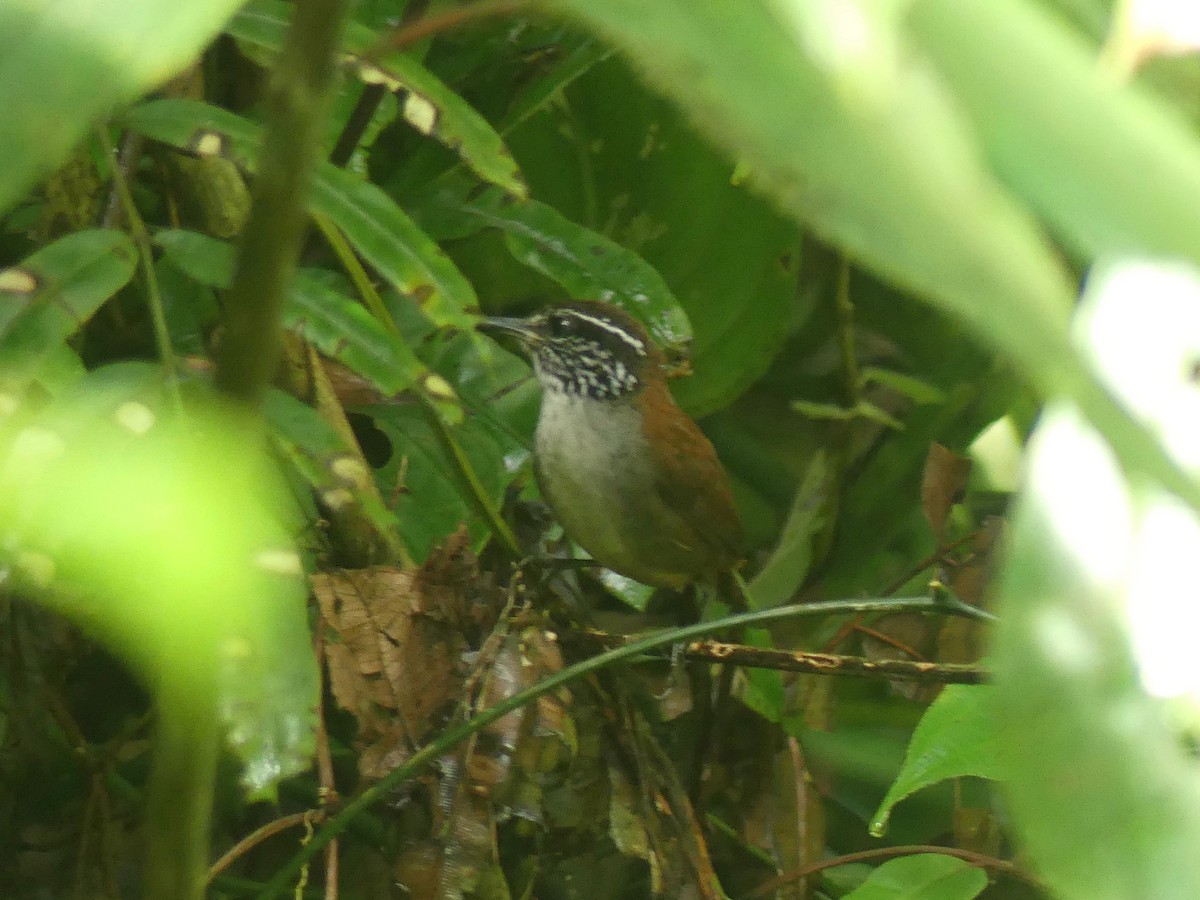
x=628 y=474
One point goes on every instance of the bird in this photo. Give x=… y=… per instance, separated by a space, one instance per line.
x=627 y=473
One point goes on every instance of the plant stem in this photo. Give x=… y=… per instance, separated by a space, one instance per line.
x=304 y=75
x=141 y=240
x=181 y=791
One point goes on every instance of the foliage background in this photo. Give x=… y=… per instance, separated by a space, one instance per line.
x=865 y=225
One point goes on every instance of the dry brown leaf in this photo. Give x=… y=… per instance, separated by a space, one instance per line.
x=942 y=485
x=394 y=644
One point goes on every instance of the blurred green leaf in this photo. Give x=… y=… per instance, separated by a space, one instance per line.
x=164 y=537
x=1097 y=681
x=337 y=325
x=51 y=294
x=371 y=221
x=428 y=104
x=1064 y=138
x=70 y=62
x=956 y=737
x=926 y=876
x=1106 y=797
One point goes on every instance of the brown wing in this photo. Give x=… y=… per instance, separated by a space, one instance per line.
x=696 y=487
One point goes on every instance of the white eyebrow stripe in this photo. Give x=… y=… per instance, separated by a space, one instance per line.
x=620 y=332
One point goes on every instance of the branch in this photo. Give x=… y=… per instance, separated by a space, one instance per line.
x=252 y=344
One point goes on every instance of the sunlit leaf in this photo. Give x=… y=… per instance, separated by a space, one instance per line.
x=164 y=537
x=1097 y=682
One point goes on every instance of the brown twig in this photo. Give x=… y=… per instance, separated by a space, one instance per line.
x=409 y=34
x=256 y=837
x=329 y=793
x=981 y=860
x=932 y=559
x=894 y=643
x=834 y=664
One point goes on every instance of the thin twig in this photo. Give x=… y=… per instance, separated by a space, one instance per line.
x=253 y=839
x=141 y=240
x=834 y=664
x=328 y=794
x=981 y=860
x=408 y=35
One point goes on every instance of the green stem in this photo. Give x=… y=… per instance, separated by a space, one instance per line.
x=141 y=240
x=181 y=792
x=304 y=75
x=382 y=788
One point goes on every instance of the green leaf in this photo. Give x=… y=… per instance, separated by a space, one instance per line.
x=317 y=451
x=70 y=62
x=878 y=160
x=380 y=231
x=164 y=537
x=53 y=292
x=337 y=325
x=956 y=737
x=588 y=265
x=926 y=876
x=430 y=505
x=428 y=104
x=791 y=561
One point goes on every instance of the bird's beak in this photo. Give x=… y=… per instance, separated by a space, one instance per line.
x=520 y=330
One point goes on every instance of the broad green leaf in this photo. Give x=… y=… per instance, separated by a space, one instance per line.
x=337 y=325
x=164 y=537
x=926 y=876
x=588 y=265
x=428 y=104
x=52 y=293
x=429 y=504
x=956 y=737
x=379 y=230
x=69 y=63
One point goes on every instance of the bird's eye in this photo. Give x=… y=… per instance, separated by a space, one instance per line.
x=561 y=325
